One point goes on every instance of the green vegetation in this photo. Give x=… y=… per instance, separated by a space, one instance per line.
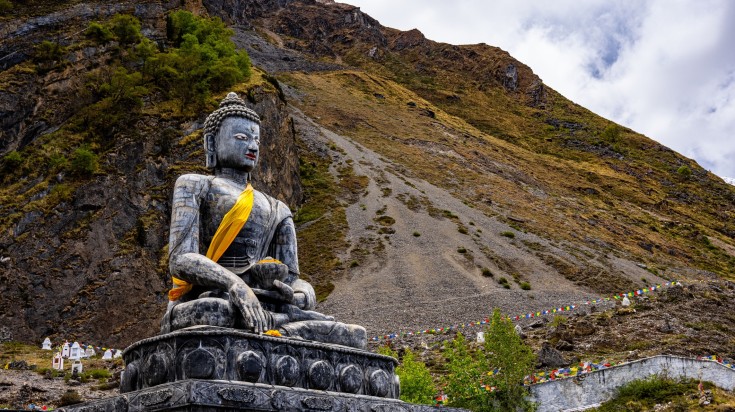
x=70 y=397
x=83 y=162
x=525 y=285
x=98 y=33
x=558 y=320
x=12 y=161
x=417 y=385
x=204 y=60
x=684 y=171
x=101 y=375
x=643 y=394
x=126 y=29
x=508 y=234
x=385 y=220
x=462 y=250
x=5 y=6
x=48 y=55
x=487 y=273
x=416 y=234
x=502 y=363
x=503 y=281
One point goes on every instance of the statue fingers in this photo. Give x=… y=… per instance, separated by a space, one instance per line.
x=249 y=317
x=262 y=317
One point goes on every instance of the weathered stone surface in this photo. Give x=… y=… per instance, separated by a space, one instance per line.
x=550 y=357
x=218 y=395
x=227 y=354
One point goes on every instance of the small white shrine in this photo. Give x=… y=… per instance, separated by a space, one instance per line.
x=480 y=337
x=107 y=355
x=58 y=362
x=65 y=350
x=76 y=351
x=118 y=354
x=76 y=367
x=46 y=344
x=626 y=301
x=89 y=352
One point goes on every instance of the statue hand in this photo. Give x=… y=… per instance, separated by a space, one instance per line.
x=285 y=290
x=243 y=298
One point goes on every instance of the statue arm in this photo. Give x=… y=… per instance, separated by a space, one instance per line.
x=284 y=249
x=187 y=263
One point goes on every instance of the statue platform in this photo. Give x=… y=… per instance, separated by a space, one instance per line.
x=228 y=354
x=206 y=368
x=196 y=395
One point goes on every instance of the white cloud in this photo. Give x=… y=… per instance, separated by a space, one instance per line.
x=664 y=68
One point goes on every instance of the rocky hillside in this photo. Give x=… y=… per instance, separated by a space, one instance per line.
x=432 y=181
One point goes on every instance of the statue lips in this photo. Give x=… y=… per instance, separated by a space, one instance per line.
x=250 y=156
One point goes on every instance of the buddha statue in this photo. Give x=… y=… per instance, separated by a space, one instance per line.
x=248 y=278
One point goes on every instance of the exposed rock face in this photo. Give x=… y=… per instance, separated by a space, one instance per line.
x=333 y=30
x=548 y=357
x=27 y=108
x=93 y=267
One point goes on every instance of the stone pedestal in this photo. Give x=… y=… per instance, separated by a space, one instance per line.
x=218 y=369
x=232 y=355
x=194 y=395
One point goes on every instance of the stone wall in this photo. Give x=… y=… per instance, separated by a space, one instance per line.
x=599 y=386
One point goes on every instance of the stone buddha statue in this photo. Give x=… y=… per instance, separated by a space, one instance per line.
x=249 y=276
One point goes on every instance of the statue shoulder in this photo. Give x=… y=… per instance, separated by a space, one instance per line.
x=282 y=210
x=192 y=183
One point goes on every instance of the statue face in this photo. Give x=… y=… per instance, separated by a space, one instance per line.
x=238 y=144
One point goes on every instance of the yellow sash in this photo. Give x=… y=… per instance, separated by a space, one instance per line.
x=228 y=229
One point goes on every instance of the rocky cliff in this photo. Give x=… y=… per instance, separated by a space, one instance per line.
x=423 y=172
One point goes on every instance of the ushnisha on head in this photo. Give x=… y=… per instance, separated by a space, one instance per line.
x=232 y=136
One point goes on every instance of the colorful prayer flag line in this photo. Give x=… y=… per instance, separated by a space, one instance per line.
x=530 y=315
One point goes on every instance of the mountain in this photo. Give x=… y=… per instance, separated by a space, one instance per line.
x=431 y=181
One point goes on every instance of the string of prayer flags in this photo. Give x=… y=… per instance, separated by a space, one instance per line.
x=587 y=367
x=529 y=315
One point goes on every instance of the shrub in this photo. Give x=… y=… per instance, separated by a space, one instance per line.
x=645 y=393
x=12 y=161
x=83 y=162
x=461 y=250
x=5 y=6
x=99 y=33
x=525 y=286
x=502 y=363
x=47 y=54
x=70 y=397
x=462 y=230
x=487 y=273
x=99 y=374
x=417 y=386
x=416 y=234
x=508 y=234
x=126 y=29
x=558 y=320
x=684 y=171
x=205 y=60
x=120 y=102
x=611 y=134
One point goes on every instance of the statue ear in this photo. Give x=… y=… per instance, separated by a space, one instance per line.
x=210 y=150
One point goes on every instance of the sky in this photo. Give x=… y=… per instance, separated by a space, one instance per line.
x=664 y=68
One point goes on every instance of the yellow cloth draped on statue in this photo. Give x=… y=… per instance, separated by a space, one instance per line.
x=227 y=231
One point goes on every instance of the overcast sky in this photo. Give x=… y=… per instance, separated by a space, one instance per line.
x=665 y=68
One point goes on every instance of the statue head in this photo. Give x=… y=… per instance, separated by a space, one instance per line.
x=232 y=135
